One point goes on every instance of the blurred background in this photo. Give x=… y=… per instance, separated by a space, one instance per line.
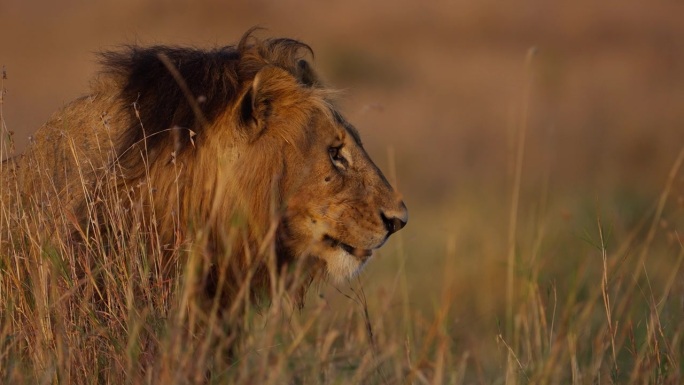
x=440 y=92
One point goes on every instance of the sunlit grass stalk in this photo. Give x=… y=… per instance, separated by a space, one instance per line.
x=401 y=255
x=515 y=201
x=606 y=295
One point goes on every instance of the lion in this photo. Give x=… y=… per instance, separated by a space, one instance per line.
x=239 y=146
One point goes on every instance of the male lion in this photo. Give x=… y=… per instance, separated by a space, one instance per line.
x=238 y=146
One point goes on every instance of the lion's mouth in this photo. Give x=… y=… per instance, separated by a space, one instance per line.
x=361 y=254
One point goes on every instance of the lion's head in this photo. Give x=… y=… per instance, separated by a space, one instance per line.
x=341 y=207
x=265 y=137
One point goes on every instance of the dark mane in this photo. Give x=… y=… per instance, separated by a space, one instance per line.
x=155 y=102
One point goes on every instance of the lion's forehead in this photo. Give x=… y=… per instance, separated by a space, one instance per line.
x=348 y=127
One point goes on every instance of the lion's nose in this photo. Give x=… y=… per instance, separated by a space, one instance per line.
x=395 y=220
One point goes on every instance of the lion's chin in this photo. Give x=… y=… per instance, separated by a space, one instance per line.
x=342 y=265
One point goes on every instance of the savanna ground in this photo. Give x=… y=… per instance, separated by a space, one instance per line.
x=544 y=187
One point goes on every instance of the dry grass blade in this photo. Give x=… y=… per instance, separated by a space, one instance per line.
x=606 y=296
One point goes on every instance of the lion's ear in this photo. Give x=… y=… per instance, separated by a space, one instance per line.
x=258 y=103
x=306 y=74
x=255 y=108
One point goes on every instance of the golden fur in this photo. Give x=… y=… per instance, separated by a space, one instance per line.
x=239 y=146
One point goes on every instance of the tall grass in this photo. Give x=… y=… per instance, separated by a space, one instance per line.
x=123 y=308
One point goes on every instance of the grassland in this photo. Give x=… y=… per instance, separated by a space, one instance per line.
x=546 y=197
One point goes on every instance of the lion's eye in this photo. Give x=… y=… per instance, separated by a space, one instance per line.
x=334 y=153
x=336 y=157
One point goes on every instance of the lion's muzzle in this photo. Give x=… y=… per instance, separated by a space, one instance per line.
x=395 y=220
